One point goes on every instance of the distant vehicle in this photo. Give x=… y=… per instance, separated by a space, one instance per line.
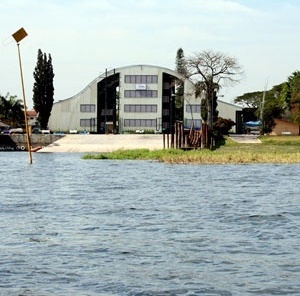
x=17 y=130
x=36 y=130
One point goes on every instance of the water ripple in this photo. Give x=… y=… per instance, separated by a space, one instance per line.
x=75 y=227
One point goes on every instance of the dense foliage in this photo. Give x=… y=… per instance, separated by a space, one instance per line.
x=291 y=94
x=11 y=111
x=282 y=100
x=43 y=90
x=222 y=126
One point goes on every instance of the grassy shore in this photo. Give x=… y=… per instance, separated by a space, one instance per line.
x=272 y=149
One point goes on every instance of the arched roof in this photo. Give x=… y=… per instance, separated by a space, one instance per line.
x=113 y=71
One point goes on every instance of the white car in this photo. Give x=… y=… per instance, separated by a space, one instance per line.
x=17 y=130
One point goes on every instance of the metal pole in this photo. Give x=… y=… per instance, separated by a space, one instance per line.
x=105 y=103
x=25 y=109
x=212 y=120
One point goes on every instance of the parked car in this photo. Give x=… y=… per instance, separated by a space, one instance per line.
x=36 y=130
x=17 y=130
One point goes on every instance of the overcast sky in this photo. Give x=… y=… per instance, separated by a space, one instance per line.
x=84 y=37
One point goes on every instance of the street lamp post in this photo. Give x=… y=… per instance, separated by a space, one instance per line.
x=18 y=36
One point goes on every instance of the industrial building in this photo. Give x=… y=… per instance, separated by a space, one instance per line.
x=128 y=99
x=140 y=97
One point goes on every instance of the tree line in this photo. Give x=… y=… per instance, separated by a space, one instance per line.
x=282 y=101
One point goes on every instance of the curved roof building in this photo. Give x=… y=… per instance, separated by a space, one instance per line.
x=138 y=97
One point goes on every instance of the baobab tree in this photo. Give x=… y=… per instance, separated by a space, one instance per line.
x=209 y=71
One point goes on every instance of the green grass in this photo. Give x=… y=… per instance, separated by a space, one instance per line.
x=283 y=149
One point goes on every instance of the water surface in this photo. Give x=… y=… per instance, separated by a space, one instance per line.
x=89 y=227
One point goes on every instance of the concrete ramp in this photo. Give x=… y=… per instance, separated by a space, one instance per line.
x=104 y=143
x=246 y=139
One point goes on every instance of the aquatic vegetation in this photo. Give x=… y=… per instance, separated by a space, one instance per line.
x=271 y=150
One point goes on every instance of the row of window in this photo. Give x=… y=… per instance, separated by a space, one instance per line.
x=139 y=122
x=127 y=122
x=140 y=94
x=141 y=79
x=91 y=108
x=140 y=108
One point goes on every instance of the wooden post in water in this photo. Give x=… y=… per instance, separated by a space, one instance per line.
x=18 y=36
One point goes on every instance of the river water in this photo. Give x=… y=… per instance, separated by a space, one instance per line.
x=100 y=227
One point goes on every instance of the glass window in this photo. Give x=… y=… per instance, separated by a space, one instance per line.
x=166 y=85
x=87 y=122
x=140 y=108
x=138 y=79
x=193 y=108
x=165 y=112
x=141 y=79
x=144 y=79
x=140 y=93
x=165 y=99
x=140 y=122
x=196 y=123
x=87 y=108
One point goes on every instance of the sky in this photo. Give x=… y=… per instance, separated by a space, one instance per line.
x=86 y=37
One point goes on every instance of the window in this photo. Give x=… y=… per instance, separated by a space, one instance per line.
x=165 y=99
x=166 y=85
x=196 y=123
x=150 y=79
x=165 y=112
x=87 y=122
x=193 y=108
x=140 y=108
x=140 y=122
x=140 y=94
x=108 y=112
x=87 y=108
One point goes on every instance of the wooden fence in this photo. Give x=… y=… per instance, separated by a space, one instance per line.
x=182 y=138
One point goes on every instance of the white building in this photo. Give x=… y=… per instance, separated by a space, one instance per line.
x=139 y=97
x=230 y=111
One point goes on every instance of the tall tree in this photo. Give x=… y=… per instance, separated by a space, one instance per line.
x=291 y=93
x=209 y=71
x=179 y=95
x=43 y=90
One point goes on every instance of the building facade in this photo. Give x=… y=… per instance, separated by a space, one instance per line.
x=130 y=99
x=140 y=97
